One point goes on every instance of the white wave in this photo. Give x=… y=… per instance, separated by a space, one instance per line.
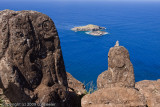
x=88 y=32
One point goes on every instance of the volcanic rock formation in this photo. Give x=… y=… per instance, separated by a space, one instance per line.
x=114 y=97
x=116 y=86
x=120 y=69
x=151 y=91
x=97 y=33
x=93 y=30
x=31 y=62
x=89 y=27
x=75 y=86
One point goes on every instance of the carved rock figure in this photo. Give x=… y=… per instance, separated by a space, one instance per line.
x=116 y=86
x=120 y=71
x=31 y=62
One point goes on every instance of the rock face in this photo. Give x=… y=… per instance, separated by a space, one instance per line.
x=120 y=69
x=75 y=86
x=114 y=97
x=31 y=62
x=1 y=91
x=151 y=91
x=89 y=27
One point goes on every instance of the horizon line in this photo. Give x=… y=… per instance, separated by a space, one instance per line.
x=81 y=0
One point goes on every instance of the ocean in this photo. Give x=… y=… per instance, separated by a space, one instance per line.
x=136 y=25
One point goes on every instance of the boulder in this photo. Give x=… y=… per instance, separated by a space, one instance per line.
x=151 y=91
x=75 y=86
x=114 y=97
x=31 y=62
x=120 y=71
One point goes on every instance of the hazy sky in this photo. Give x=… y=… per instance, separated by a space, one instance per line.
x=80 y=0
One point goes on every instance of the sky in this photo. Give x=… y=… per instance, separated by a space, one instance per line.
x=80 y=0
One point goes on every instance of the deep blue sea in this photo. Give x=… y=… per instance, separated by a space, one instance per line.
x=135 y=24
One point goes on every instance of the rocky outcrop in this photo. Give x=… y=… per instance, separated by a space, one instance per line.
x=89 y=27
x=75 y=86
x=93 y=30
x=76 y=91
x=1 y=91
x=151 y=91
x=120 y=69
x=114 y=97
x=116 y=86
x=97 y=33
x=31 y=62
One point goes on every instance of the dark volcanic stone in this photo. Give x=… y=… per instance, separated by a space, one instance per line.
x=31 y=62
x=75 y=86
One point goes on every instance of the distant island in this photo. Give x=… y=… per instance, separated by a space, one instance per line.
x=91 y=29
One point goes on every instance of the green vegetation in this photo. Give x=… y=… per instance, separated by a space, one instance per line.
x=90 y=87
x=1 y=102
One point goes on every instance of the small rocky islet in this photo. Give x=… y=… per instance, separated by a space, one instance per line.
x=91 y=30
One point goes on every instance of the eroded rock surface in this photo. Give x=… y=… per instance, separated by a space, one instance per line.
x=120 y=71
x=31 y=62
x=151 y=91
x=114 y=97
x=75 y=86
